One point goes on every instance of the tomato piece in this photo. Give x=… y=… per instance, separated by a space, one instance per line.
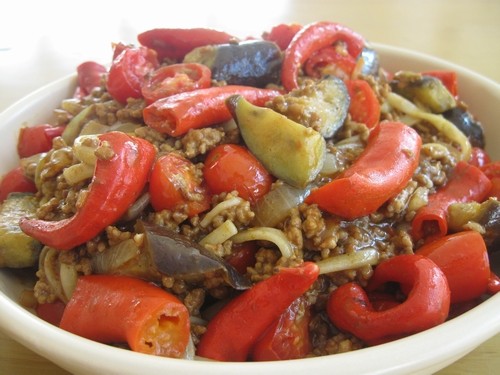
x=51 y=312
x=463 y=258
x=329 y=61
x=364 y=106
x=173 y=79
x=282 y=34
x=15 y=182
x=447 y=77
x=231 y=167
x=243 y=256
x=288 y=337
x=36 y=139
x=174 y=183
x=128 y=72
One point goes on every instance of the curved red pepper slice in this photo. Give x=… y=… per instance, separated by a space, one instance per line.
x=463 y=258
x=312 y=38
x=177 y=114
x=426 y=306
x=233 y=332
x=115 y=309
x=329 y=59
x=176 y=43
x=381 y=171
x=116 y=184
x=466 y=183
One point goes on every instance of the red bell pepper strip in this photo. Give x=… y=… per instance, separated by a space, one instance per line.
x=235 y=329
x=426 y=305
x=282 y=34
x=312 y=38
x=176 y=43
x=177 y=114
x=90 y=75
x=463 y=258
x=492 y=171
x=381 y=171
x=15 y=181
x=117 y=183
x=288 y=337
x=329 y=61
x=176 y=78
x=465 y=184
x=364 y=106
x=115 y=309
x=36 y=139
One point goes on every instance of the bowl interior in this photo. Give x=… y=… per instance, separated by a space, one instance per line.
x=425 y=352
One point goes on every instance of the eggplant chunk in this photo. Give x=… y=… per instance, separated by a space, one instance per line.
x=17 y=250
x=252 y=63
x=486 y=214
x=322 y=106
x=175 y=255
x=288 y=150
x=424 y=90
x=464 y=121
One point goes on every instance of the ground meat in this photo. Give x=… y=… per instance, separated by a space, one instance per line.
x=200 y=141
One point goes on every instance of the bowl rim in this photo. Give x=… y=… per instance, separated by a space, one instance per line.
x=423 y=348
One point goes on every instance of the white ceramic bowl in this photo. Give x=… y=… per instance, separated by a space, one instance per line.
x=423 y=353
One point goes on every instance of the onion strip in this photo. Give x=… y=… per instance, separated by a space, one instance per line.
x=439 y=122
x=224 y=205
x=365 y=257
x=220 y=234
x=267 y=234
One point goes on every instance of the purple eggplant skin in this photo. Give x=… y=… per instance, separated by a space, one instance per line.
x=175 y=255
x=250 y=63
x=371 y=62
x=464 y=121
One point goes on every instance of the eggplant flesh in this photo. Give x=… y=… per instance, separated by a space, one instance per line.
x=487 y=214
x=426 y=91
x=250 y=63
x=464 y=121
x=175 y=255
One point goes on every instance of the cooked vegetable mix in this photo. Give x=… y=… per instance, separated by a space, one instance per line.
x=274 y=198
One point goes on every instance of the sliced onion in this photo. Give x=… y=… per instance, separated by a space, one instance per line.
x=78 y=173
x=220 y=234
x=349 y=261
x=274 y=207
x=68 y=276
x=267 y=234
x=137 y=208
x=224 y=205
x=116 y=256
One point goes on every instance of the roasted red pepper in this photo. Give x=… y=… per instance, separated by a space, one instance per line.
x=117 y=183
x=176 y=43
x=381 y=171
x=36 y=139
x=15 y=181
x=177 y=114
x=282 y=34
x=90 y=75
x=465 y=184
x=288 y=337
x=116 y=309
x=426 y=305
x=233 y=332
x=463 y=258
x=492 y=171
x=312 y=38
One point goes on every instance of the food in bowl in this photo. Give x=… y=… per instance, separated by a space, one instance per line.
x=296 y=194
